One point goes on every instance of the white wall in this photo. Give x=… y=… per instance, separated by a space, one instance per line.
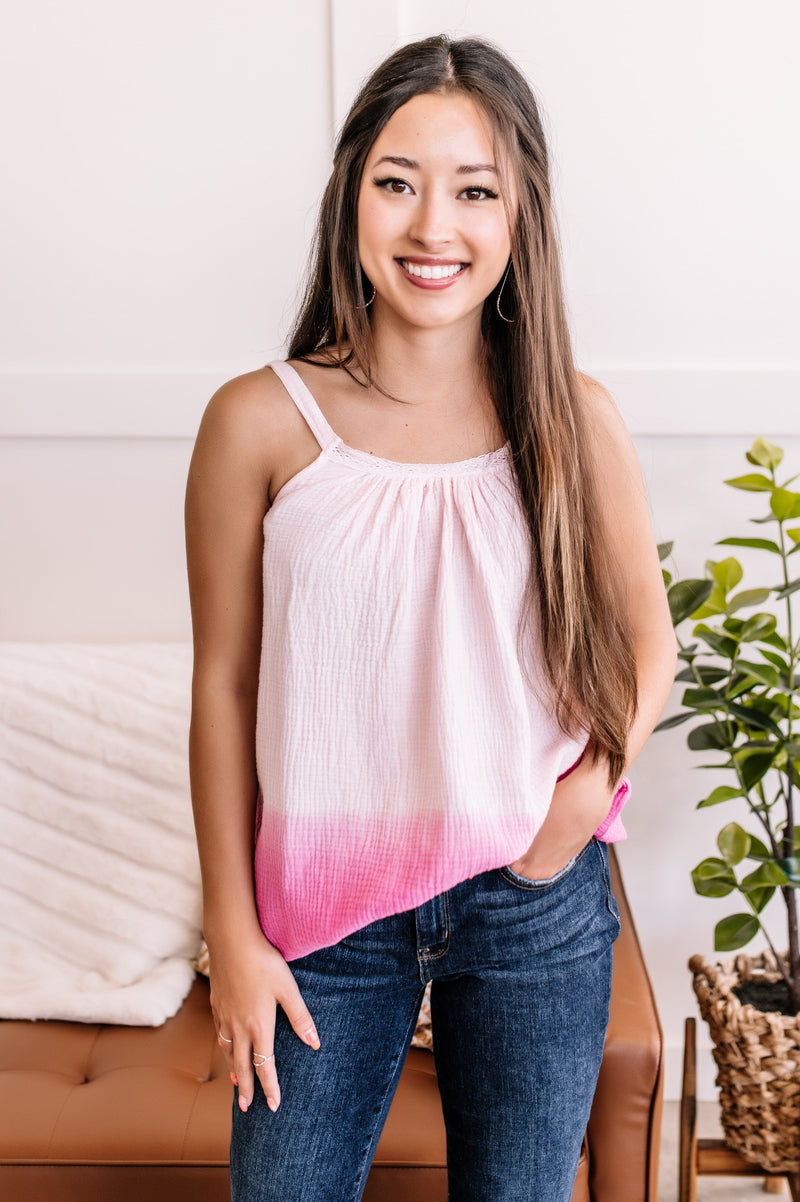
x=166 y=160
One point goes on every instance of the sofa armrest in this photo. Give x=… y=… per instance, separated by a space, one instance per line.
x=625 y=1124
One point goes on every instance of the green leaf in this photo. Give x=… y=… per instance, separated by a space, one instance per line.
x=791 y=867
x=664 y=550
x=758 y=627
x=761 y=672
x=753 y=482
x=675 y=720
x=714 y=887
x=768 y=873
x=740 y=685
x=685 y=597
x=718 y=642
x=716 y=603
x=727 y=573
x=778 y=660
x=760 y=886
x=707 y=674
x=702 y=699
x=784 y=705
x=750 y=596
x=765 y=454
x=775 y=640
x=718 y=795
x=713 y=878
x=785 y=504
x=754 y=719
x=666 y=577
x=788 y=590
x=761 y=897
x=735 y=932
x=758 y=850
x=761 y=544
x=734 y=843
x=766 y=704
x=712 y=736
x=754 y=764
x=794 y=535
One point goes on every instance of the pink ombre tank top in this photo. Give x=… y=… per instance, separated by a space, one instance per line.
x=399 y=748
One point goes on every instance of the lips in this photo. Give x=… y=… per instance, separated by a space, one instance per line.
x=431 y=273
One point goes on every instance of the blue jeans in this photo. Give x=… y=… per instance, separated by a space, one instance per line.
x=521 y=974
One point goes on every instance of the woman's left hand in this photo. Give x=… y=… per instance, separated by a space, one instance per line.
x=581 y=802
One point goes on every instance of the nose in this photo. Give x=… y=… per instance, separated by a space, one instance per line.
x=432 y=221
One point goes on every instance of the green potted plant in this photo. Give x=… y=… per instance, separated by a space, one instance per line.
x=739 y=663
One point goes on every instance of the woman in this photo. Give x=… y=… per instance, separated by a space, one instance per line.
x=425 y=706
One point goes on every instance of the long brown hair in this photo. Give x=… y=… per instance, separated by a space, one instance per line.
x=575 y=609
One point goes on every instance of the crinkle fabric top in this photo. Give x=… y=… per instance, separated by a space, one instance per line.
x=400 y=749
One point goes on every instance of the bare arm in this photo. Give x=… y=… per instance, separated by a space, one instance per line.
x=226 y=499
x=582 y=800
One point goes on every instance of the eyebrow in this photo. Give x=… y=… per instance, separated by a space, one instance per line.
x=412 y=165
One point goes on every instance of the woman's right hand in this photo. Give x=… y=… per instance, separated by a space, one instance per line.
x=248 y=983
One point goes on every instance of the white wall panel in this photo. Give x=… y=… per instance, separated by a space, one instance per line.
x=91 y=540
x=166 y=160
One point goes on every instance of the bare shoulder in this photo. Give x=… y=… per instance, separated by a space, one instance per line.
x=250 y=406
x=251 y=426
x=600 y=408
x=610 y=440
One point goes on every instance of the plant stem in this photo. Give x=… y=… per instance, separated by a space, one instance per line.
x=790 y=896
x=789 y=893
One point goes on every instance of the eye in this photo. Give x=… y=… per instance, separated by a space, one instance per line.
x=476 y=192
x=398 y=187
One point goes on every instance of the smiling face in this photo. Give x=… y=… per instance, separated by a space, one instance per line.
x=433 y=235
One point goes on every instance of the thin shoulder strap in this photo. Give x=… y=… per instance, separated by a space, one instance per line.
x=294 y=385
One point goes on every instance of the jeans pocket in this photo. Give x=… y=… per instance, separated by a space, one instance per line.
x=526 y=882
x=611 y=901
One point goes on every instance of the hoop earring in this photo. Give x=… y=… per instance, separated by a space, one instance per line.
x=367 y=304
x=509 y=320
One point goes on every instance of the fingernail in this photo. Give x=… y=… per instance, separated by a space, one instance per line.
x=273 y=1105
x=242 y=1104
x=234 y=1079
x=312 y=1037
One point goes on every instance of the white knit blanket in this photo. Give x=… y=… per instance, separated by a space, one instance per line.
x=100 y=903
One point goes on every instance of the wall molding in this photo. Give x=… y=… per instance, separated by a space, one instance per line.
x=656 y=401
x=697 y=401
x=101 y=404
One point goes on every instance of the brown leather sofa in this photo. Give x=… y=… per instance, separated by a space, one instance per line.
x=120 y=1114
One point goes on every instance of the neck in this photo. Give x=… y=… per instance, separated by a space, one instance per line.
x=417 y=365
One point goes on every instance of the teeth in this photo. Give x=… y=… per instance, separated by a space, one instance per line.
x=427 y=271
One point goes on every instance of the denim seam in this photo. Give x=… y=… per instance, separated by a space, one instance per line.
x=399 y=1061
x=610 y=900
x=532 y=886
x=424 y=955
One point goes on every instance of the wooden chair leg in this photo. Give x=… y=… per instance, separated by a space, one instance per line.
x=687 y=1154
x=712 y=1156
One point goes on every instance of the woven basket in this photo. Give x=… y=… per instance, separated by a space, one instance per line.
x=758 y=1058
